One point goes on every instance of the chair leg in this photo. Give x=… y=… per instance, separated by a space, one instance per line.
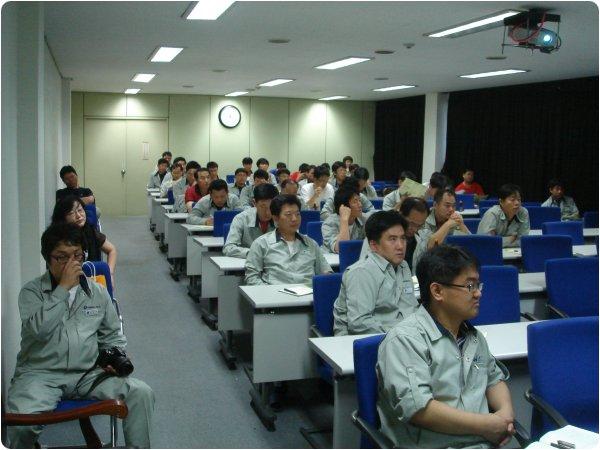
x=113 y=432
x=91 y=438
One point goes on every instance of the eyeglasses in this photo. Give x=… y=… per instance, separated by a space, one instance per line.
x=79 y=211
x=471 y=287
x=62 y=259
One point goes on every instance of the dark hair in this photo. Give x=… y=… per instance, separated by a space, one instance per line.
x=281 y=165
x=361 y=173
x=265 y=191
x=260 y=161
x=442 y=264
x=555 y=182
x=353 y=167
x=321 y=171
x=179 y=158
x=348 y=158
x=350 y=183
x=468 y=170
x=167 y=153
x=304 y=168
x=438 y=180
x=240 y=170
x=247 y=160
x=416 y=203
x=407 y=174
x=336 y=165
x=283 y=199
x=192 y=165
x=218 y=185
x=211 y=165
x=282 y=170
x=259 y=173
x=64 y=207
x=162 y=161
x=439 y=194
x=56 y=233
x=506 y=190
x=342 y=197
x=65 y=170
x=326 y=165
x=380 y=221
x=284 y=183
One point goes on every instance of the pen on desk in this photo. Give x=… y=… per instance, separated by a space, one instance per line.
x=566 y=444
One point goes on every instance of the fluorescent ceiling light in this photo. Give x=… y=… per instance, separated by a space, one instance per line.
x=165 y=54
x=335 y=97
x=483 y=23
x=132 y=91
x=342 y=63
x=394 y=88
x=143 y=77
x=494 y=74
x=207 y=9
x=276 y=82
x=236 y=93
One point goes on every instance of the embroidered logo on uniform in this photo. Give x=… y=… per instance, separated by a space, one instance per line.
x=91 y=310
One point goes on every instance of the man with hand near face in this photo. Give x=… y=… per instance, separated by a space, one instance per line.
x=218 y=199
x=319 y=190
x=348 y=223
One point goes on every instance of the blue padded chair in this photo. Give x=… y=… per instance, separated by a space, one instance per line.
x=540 y=214
x=500 y=302
x=472 y=224
x=230 y=178
x=535 y=250
x=377 y=203
x=563 y=365
x=571 y=228
x=590 y=219
x=221 y=218
x=313 y=230
x=530 y=204
x=96 y=268
x=483 y=210
x=429 y=203
x=90 y=215
x=572 y=286
x=468 y=201
x=487 y=249
x=379 y=186
x=366 y=417
x=488 y=203
x=170 y=197
x=226 y=228
x=349 y=253
x=308 y=216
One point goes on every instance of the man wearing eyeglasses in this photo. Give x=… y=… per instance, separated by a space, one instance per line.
x=439 y=385
x=62 y=330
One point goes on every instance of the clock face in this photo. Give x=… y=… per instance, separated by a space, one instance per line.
x=229 y=116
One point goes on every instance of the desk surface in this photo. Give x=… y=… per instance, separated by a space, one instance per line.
x=150 y=190
x=469 y=212
x=177 y=216
x=229 y=264
x=268 y=296
x=196 y=228
x=587 y=232
x=167 y=208
x=210 y=241
x=578 y=250
x=160 y=199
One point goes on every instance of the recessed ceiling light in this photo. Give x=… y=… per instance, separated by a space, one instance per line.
x=143 y=77
x=165 y=54
x=475 y=25
x=188 y=86
x=132 y=91
x=495 y=58
x=394 y=88
x=207 y=9
x=219 y=70
x=384 y=52
x=342 y=63
x=276 y=82
x=494 y=74
x=236 y=93
x=335 y=97
x=381 y=79
x=279 y=41
x=316 y=90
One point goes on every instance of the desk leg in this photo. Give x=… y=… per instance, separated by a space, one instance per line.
x=260 y=394
x=233 y=311
x=345 y=434
x=208 y=308
x=226 y=349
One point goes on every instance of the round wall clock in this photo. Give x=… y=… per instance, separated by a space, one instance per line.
x=229 y=116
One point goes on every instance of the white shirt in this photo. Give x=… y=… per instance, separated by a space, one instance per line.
x=308 y=190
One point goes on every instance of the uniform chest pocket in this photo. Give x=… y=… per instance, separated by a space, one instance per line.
x=91 y=311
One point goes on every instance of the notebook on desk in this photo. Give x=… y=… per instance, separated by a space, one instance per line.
x=578 y=437
x=298 y=291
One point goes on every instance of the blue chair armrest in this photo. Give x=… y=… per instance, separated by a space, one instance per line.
x=521 y=435
x=558 y=312
x=543 y=406
x=378 y=438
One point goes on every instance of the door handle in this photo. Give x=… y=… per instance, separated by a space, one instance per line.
x=123 y=171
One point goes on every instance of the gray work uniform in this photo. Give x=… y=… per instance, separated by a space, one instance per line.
x=243 y=232
x=418 y=361
x=58 y=345
x=246 y=196
x=369 y=192
x=205 y=208
x=329 y=209
x=179 y=188
x=391 y=200
x=154 y=181
x=411 y=245
x=373 y=297
x=495 y=220
x=331 y=228
x=568 y=208
x=270 y=260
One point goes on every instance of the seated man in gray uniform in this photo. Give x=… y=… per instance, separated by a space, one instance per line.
x=240 y=182
x=362 y=175
x=251 y=223
x=439 y=384
x=247 y=194
x=377 y=292
x=63 y=329
x=568 y=208
x=352 y=183
x=508 y=219
x=218 y=199
x=157 y=176
x=284 y=256
x=348 y=222
x=290 y=187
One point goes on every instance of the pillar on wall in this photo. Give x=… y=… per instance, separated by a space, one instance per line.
x=434 y=134
x=65 y=132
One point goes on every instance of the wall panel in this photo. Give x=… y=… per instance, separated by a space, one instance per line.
x=344 y=130
x=189 y=117
x=307 y=132
x=269 y=124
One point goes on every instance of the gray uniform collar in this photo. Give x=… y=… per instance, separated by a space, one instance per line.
x=519 y=217
x=435 y=330
x=298 y=236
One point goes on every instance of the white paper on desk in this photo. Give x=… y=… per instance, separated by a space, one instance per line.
x=298 y=291
x=577 y=436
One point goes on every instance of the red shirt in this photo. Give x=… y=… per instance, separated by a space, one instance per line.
x=475 y=188
x=191 y=195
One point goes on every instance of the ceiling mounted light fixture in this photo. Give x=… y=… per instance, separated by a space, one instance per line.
x=335 y=97
x=475 y=25
x=342 y=63
x=132 y=91
x=236 y=93
x=494 y=74
x=143 y=77
x=276 y=82
x=165 y=54
x=394 y=88
x=207 y=9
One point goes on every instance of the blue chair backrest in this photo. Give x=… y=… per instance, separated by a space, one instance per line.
x=99 y=268
x=572 y=228
x=326 y=289
x=273 y=171
x=226 y=228
x=472 y=224
x=500 y=302
x=313 y=230
x=535 y=250
x=530 y=204
x=572 y=285
x=170 y=197
x=488 y=203
x=563 y=365
x=429 y=203
x=365 y=359
x=540 y=214
x=221 y=218
x=349 y=253
x=378 y=185
x=377 y=203
x=68 y=405
x=308 y=216
x=483 y=210
x=230 y=178
x=487 y=249
x=590 y=219
x=90 y=215
x=468 y=201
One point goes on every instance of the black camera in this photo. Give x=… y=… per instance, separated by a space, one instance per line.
x=117 y=359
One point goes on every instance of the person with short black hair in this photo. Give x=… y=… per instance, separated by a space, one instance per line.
x=469 y=186
x=247 y=165
x=68 y=175
x=377 y=292
x=247 y=194
x=251 y=223
x=167 y=155
x=282 y=175
x=317 y=191
x=301 y=172
x=393 y=200
x=290 y=187
x=213 y=170
x=281 y=165
x=180 y=187
x=472 y=406
x=338 y=175
x=168 y=179
x=218 y=199
x=198 y=190
x=284 y=256
x=347 y=161
x=568 y=208
x=364 y=185
x=62 y=330
x=348 y=222
x=328 y=207
x=172 y=177
x=240 y=182
x=263 y=164
x=157 y=176
x=307 y=177
x=508 y=219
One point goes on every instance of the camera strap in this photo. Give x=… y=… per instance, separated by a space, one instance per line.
x=99 y=379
